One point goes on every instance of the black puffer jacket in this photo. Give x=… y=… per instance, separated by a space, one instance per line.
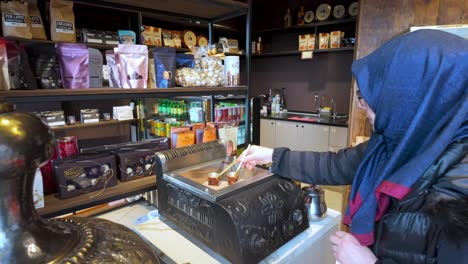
x=430 y=225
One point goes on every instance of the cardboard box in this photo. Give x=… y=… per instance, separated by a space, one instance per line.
x=54 y=118
x=92 y=36
x=110 y=38
x=89 y=115
x=335 y=39
x=311 y=42
x=324 y=39
x=303 y=42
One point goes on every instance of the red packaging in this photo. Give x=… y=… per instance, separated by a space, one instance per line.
x=219 y=115
x=229 y=119
x=225 y=114
x=67 y=147
x=234 y=114
x=48 y=179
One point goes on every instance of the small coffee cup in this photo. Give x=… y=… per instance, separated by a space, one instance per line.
x=213 y=179
x=232 y=177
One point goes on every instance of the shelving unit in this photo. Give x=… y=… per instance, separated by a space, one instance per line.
x=44 y=95
x=306 y=26
x=287 y=37
x=123 y=14
x=55 y=207
x=79 y=125
x=296 y=52
x=280 y=65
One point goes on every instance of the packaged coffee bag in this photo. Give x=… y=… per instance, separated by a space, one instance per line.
x=4 y=83
x=44 y=65
x=20 y=75
x=133 y=65
x=95 y=68
x=62 y=21
x=164 y=64
x=37 y=27
x=114 y=77
x=73 y=60
x=15 y=20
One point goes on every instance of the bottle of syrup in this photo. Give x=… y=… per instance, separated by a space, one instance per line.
x=300 y=16
x=259 y=46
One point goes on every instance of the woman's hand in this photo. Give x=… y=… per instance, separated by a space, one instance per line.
x=348 y=250
x=257 y=155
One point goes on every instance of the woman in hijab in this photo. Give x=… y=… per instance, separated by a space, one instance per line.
x=408 y=202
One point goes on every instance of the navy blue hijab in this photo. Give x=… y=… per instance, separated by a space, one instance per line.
x=417 y=86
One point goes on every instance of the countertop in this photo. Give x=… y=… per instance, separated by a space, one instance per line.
x=308 y=118
x=176 y=246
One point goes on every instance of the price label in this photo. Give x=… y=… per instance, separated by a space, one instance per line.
x=307 y=55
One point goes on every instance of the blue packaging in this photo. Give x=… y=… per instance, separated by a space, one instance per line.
x=127 y=37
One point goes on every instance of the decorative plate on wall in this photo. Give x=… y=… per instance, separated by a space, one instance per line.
x=323 y=12
x=309 y=16
x=353 y=9
x=339 y=11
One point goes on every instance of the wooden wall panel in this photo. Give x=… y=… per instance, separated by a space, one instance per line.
x=381 y=20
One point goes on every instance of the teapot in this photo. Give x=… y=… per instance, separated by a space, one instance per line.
x=314 y=202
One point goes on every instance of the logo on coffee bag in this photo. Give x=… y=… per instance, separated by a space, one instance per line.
x=64 y=27
x=14 y=20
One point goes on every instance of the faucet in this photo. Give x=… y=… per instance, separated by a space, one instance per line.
x=317 y=103
x=333 y=103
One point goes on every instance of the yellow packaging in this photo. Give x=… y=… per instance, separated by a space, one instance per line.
x=311 y=42
x=15 y=20
x=37 y=27
x=62 y=21
x=303 y=42
x=168 y=130
x=335 y=39
x=324 y=39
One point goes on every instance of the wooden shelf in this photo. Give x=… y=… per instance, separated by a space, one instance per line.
x=90 y=45
x=51 y=42
x=203 y=10
x=296 y=52
x=55 y=207
x=189 y=23
x=306 y=26
x=47 y=95
x=102 y=123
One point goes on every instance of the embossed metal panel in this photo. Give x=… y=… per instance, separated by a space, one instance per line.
x=243 y=222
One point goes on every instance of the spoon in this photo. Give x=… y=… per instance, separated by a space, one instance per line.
x=240 y=163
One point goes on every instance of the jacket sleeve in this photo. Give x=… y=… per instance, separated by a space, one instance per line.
x=326 y=168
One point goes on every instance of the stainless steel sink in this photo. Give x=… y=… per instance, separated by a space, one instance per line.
x=305 y=114
x=314 y=117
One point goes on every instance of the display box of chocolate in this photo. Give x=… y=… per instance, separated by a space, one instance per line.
x=80 y=175
x=92 y=36
x=136 y=164
x=89 y=115
x=110 y=38
x=54 y=118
